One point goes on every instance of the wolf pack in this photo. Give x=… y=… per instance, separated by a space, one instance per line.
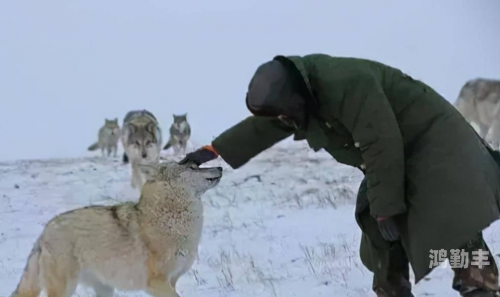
x=141 y=138
x=150 y=244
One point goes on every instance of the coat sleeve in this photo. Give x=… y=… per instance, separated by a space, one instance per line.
x=366 y=112
x=245 y=140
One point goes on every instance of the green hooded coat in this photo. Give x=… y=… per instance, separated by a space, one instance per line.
x=420 y=156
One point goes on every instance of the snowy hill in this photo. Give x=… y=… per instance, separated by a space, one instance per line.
x=283 y=225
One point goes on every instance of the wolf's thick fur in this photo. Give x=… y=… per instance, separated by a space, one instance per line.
x=107 y=138
x=180 y=132
x=142 y=140
x=479 y=103
x=143 y=246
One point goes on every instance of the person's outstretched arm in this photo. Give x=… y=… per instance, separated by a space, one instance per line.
x=240 y=143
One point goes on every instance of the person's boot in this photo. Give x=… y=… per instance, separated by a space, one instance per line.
x=404 y=290
x=406 y=293
x=473 y=280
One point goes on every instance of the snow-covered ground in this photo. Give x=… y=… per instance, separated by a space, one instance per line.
x=283 y=225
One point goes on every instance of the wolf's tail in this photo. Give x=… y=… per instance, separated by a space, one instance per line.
x=168 y=145
x=93 y=147
x=29 y=285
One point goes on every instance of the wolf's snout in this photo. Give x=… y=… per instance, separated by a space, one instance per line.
x=219 y=168
x=144 y=155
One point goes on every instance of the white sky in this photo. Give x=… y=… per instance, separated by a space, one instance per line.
x=66 y=65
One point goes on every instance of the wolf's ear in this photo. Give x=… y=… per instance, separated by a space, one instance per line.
x=132 y=128
x=151 y=127
x=150 y=171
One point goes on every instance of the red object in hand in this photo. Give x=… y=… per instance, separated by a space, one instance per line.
x=380 y=219
x=210 y=148
x=200 y=156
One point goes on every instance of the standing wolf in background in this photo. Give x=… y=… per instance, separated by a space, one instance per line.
x=108 y=138
x=180 y=132
x=146 y=246
x=141 y=139
x=478 y=102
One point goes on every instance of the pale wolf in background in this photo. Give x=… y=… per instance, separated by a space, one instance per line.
x=180 y=132
x=107 y=138
x=478 y=102
x=142 y=140
x=146 y=246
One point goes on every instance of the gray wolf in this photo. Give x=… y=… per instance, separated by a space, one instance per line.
x=478 y=101
x=422 y=160
x=145 y=246
x=142 y=140
x=107 y=138
x=180 y=132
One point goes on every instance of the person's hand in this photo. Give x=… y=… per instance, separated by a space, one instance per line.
x=200 y=156
x=388 y=228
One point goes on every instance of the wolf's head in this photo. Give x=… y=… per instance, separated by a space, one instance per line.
x=142 y=141
x=180 y=118
x=187 y=177
x=112 y=125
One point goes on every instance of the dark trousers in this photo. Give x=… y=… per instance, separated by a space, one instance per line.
x=390 y=265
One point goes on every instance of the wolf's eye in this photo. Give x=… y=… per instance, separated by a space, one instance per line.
x=137 y=143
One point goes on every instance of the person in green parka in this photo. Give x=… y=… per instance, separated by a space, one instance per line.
x=431 y=184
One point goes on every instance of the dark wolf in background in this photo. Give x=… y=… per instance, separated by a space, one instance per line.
x=107 y=138
x=180 y=132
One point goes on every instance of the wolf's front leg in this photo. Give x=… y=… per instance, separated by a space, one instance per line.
x=138 y=178
x=183 y=144
x=115 y=150
x=160 y=288
x=493 y=136
x=483 y=130
x=134 y=181
x=176 y=149
x=102 y=290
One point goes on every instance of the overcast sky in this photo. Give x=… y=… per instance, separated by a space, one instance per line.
x=67 y=65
